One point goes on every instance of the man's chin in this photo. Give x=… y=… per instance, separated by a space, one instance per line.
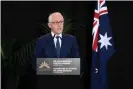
x=59 y=32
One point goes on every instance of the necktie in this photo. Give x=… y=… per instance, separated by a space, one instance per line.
x=58 y=46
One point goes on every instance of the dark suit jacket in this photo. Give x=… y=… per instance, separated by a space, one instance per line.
x=45 y=47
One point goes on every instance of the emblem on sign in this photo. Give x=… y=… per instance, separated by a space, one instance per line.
x=44 y=65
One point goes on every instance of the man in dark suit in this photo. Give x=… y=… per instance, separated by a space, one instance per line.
x=56 y=44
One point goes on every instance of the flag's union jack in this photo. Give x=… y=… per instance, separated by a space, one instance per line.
x=101 y=9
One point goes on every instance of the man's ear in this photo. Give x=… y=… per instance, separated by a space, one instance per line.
x=49 y=25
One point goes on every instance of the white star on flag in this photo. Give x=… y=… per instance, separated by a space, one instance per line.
x=104 y=41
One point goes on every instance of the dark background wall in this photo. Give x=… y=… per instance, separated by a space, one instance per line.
x=19 y=21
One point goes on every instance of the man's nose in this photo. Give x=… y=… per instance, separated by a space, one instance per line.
x=59 y=24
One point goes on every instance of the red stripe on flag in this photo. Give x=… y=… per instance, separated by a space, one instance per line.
x=103 y=11
x=95 y=45
x=101 y=1
x=96 y=15
x=94 y=23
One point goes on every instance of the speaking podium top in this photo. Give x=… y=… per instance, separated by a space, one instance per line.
x=58 y=66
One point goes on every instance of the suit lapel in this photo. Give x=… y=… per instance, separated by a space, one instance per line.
x=51 y=43
x=62 y=44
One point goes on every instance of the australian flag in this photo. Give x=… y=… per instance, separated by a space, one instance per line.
x=102 y=47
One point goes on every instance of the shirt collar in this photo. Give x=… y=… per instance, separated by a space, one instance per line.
x=56 y=35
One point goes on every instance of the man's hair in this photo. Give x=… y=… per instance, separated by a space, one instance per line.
x=50 y=16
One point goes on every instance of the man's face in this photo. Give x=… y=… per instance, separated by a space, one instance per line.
x=56 y=23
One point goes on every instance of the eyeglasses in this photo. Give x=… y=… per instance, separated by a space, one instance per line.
x=58 y=22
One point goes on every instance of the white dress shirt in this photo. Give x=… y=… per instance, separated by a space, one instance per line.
x=55 y=39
